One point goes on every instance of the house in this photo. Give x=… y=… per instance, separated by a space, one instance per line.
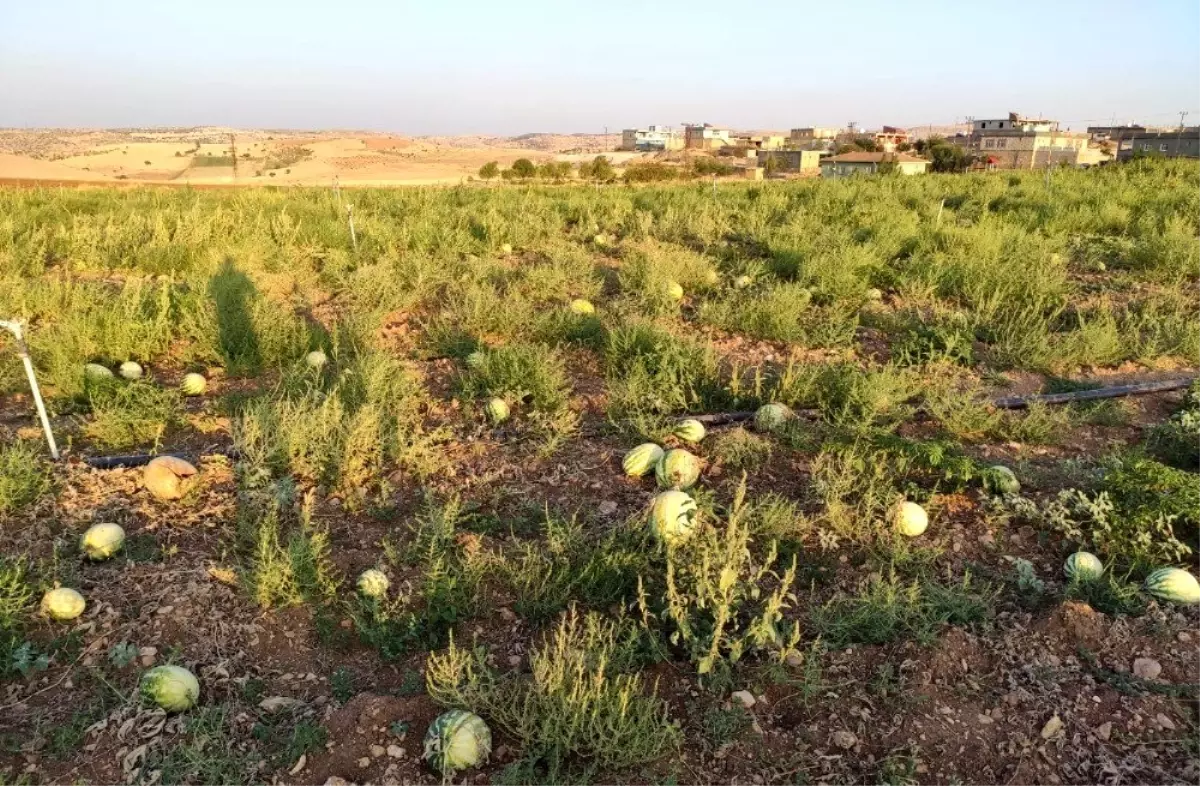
x=863 y=163
x=1182 y=143
x=1112 y=133
x=1026 y=143
x=810 y=138
x=705 y=137
x=889 y=137
x=761 y=141
x=802 y=161
x=651 y=138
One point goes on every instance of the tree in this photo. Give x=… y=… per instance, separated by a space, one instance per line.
x=946 y=157
x=904 y=147
x=599 y=168
x=524 y=168
x=490 y=170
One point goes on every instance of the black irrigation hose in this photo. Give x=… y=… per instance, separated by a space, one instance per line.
x=1136 y=389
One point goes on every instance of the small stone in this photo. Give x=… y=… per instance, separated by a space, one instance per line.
x=987 y=539
x=147 y=655
x=794 y=659
x=1052 y=727
x=608 y=507
x=514 y=660
x=1164 y=722
x=377 y=751
x=844 y=739
x=1147 y=668
x=985 y=719
x=334 y=780
x=395 y=752
x=506 y=614
x=1184 y=636
x=277 y=703
x=364 y=762
x=745 y=698
x=1104 y=730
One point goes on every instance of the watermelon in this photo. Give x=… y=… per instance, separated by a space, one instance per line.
x=457 y=740
x=673 y=516
x=677 y=469
x=130 y=370
x=1083 y=565
x=506 y=248
x=770 y=417
x=63 y=604
x=94 y=372
x=316 y=359
x=874 y=294
x=911 y=519
x=497 y=410
x=689 y=430
x=674 y=290
x=712 y=277
x=193 y=384
x=582 y=307
x=1174 y=585
x=101 y=541
x=641 y=459
x=372 y=583
x=1001 y=480
x=742 y=282
x=173 y=688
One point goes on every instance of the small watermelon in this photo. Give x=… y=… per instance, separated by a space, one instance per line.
x=582 y=307
x=689 y=430
x=316 y=359
x=168 y=477
x=712 y=277
x=457 y=740
x=770 y=417
x=101 y=541
x=1083 y=565
x=1175 y=585
x=742 y=282
x=641 y=460
x=673 y=516
x=506 y=248
x=874 y=294
x=173 y=688
x=911 y=519
x=130 y=370
x=94 y=372
x=674 y=290
x=63 y=604
x=677 y=469
x=193 y=384
x=497 y=410
x=373 y=583
x=1001 y=480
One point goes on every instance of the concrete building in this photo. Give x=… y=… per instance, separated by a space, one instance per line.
x=651 y=138
x=1026 y=143
x=1112 y=133
x=761 y=141
x=889 y=137
x=863 y=163
x=808 y=138
x=1184 y=143
x=801 y=161
x=705 y=137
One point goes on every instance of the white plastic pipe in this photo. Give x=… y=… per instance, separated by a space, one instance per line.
x=14 y=327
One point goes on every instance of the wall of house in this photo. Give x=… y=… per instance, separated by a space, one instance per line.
x=791 y=160
x=1185 y=146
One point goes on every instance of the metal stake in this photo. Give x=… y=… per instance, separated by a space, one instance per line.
x=15 y=328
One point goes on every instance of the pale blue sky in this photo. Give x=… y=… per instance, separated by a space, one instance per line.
x=539 y=65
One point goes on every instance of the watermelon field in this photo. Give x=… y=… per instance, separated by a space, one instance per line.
x=760 y=483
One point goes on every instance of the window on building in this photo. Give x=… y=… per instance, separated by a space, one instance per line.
x=1162 y=148
x=1001 y=143
x=989 y=143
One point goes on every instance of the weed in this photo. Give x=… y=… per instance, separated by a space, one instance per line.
x=523 y=373
x=886 y=609
x=24 y=475
x=739 y=449
x=341 y=684
x=125 y=415
x=1108 y=593
x=723 y=725
x=574 y=705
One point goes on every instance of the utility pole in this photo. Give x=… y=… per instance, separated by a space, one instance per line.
x=1179 y=135
x=233 y=152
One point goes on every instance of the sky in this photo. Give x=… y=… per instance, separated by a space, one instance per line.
x=523 y=66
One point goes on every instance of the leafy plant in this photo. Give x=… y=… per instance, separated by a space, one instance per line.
x=24 y=475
